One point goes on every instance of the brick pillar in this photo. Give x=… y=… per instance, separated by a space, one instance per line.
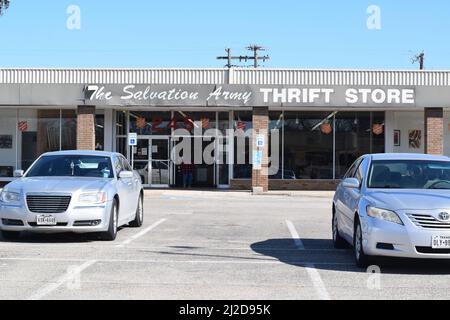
x=86 y=128
x=260 y=179
x=434 y=131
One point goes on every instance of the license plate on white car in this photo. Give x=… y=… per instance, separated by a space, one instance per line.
x=46 y=220
x=440 y=242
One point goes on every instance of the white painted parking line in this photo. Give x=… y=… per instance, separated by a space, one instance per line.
x=140 y=234
x=65 y=279
x=310 y=268
x=298 y=242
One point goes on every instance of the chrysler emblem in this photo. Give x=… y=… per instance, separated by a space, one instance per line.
x=444 y=216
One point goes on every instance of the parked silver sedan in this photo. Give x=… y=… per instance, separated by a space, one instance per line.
x=395 y=205
x=73 y=191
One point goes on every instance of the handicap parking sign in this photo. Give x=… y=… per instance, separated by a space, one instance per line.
x=132 y=139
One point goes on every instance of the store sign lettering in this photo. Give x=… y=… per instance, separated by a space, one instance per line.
x=352 y=95
x=131 y=93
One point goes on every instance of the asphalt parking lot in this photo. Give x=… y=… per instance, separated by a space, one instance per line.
x=212 y=245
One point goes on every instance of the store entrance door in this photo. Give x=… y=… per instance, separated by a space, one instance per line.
x=152 y=161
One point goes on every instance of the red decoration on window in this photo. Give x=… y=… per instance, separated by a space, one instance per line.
x=378 y=129
x=326 y=128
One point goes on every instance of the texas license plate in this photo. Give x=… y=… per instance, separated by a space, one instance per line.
x=440 y=242
x=46 y=220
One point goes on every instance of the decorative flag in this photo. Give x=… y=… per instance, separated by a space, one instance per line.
x=141 y=123
x=205 y=123
x=23 y=126
x=241 y=125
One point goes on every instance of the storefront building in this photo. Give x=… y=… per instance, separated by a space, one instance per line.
x=263 y=129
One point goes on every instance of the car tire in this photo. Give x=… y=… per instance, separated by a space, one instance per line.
x=11 y=235
x=139 y=219
x=111 y=234
x=361 y=259
x=338 y=241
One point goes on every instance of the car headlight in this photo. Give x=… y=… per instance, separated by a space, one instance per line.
x=10 y=197
x=93 y=197
x=383 y=214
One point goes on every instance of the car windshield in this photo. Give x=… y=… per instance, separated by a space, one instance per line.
x=409 y=174
x=72 y=166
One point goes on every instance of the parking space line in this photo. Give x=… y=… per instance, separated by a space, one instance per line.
x=140 y=234
x=66 y=278
x=310 y=268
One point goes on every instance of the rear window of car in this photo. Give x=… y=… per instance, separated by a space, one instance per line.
x=72 y=166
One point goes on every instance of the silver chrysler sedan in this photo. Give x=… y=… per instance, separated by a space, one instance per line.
x=395 y=205
x=73 y=191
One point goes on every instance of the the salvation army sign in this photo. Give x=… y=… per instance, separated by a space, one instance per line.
x=248 y=95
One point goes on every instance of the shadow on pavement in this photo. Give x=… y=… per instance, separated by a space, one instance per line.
x=321 y=254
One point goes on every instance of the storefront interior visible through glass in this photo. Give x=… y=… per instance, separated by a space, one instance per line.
x=25 y=134
x=159 y=130
x=323 y=145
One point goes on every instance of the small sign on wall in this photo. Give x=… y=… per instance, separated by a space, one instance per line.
x=257 y=160
x=397 y=138
x=415 y=139
x=260 y=141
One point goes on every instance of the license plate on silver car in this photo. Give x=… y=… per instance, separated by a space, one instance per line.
x=46 y=220
x=440 y=242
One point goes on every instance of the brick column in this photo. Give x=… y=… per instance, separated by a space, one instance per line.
x=434 y=131
x=260 y=179
x=86 y=128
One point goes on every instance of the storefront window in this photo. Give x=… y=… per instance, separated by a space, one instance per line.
x=99 y=132
x=8 y=145
x=276 y=123
x=357 y=134
x=308 y=145
x=195 y=122
x=242 y=125
x=68 y=130
x=151 y=123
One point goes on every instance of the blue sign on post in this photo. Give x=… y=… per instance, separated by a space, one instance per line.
x=257 y=160
x=132 y=139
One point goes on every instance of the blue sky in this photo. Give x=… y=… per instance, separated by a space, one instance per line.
x=175 y=33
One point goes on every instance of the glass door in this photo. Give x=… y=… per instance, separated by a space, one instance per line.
x=142 y=159
x=159 y=164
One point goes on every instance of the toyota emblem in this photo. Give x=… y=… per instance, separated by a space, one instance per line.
x=444 y=216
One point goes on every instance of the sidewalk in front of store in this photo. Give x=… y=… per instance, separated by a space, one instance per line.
x=234 y=193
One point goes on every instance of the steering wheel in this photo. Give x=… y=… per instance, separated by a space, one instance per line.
x=431 y=186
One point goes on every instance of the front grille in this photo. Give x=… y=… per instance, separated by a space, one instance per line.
x=429 y=250
x=48 y=204
x=428 y=222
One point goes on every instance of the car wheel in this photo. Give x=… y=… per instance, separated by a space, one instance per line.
x=338 y=241
x=361 y=259
x=139 y=220
x=11 y=235
x=111 y=234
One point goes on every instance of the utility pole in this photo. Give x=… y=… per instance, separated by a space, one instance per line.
x=421 y=59
x=256 y=58
x=229 y=57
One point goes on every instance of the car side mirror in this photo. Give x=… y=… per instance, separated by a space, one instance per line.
x=351 y=183
x=126 y=175
x=18 y=173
